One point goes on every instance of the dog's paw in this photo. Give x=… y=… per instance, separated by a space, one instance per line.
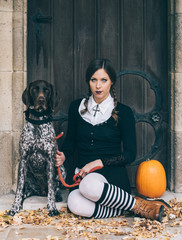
x=54 y=212
x=12 y=212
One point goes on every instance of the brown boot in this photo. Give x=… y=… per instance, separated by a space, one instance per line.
x=148 y=209
x=157 y=201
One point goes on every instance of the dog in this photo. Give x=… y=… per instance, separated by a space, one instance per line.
x=37 y=149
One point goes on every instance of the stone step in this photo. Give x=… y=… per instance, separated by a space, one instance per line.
x=31 y=203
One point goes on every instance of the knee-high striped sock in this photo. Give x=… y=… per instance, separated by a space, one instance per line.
x=115 y=197
x=106 y=212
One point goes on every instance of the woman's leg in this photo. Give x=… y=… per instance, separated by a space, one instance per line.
x=84 y=207
x=110 y=200
x=92 y=186
x=80 y=205
x=96 y=188
x=82 y=201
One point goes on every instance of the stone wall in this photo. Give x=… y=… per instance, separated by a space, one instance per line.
x=175 y=95
x=12 y=82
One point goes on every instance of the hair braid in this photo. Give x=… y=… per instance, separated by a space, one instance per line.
x=86 y=101
x=114 y=112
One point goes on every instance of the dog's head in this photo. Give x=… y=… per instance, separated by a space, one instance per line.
x=40 y=95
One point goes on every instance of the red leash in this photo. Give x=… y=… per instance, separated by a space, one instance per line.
x=76 y=178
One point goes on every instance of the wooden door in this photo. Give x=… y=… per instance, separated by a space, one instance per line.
x=65 y=35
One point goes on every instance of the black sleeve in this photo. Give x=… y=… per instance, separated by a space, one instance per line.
x=126 y=126
x=69 y=144
x=114 y=161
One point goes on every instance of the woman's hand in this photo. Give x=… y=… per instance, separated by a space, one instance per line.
x=86 y=169
x=60 y=158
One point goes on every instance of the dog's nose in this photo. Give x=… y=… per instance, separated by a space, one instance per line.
x=41 y=100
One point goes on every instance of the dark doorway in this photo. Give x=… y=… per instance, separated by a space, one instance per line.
x=64 y=35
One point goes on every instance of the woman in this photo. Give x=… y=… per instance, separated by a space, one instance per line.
x=98 y=126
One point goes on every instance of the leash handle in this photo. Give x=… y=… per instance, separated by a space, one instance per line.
x=76 y=178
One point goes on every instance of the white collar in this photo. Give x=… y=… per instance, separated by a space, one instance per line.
x=103 y=106
x=105 y=110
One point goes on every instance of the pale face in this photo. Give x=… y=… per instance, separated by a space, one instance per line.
x=100 y=85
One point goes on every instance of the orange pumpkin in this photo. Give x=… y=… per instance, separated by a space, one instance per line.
x=151 y=179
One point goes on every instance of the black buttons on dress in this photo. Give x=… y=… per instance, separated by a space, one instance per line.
x=92 y=141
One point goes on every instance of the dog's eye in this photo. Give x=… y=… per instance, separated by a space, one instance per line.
x=34 y=90
x=46 y=90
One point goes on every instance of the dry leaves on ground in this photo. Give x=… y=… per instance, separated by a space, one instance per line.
x=70 y=225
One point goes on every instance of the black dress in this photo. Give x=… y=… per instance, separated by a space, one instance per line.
x=114 y=144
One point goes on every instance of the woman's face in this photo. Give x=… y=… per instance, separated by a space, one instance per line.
x=100 y=84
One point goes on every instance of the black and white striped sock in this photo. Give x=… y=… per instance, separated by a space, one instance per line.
x=105 y=212
x=113 y=202
x=115 y=197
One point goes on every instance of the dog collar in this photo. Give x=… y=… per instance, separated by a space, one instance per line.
x=39 y=117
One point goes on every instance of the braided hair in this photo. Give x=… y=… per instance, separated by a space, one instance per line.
x=92 y=68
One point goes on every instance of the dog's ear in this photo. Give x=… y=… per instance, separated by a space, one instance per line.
x=54 y=99
x=26 y=96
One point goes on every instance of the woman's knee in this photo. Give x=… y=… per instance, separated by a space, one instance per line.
x=92 y=186
x=79 y=205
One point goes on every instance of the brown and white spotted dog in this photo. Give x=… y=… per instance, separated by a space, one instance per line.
x=37 y=174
